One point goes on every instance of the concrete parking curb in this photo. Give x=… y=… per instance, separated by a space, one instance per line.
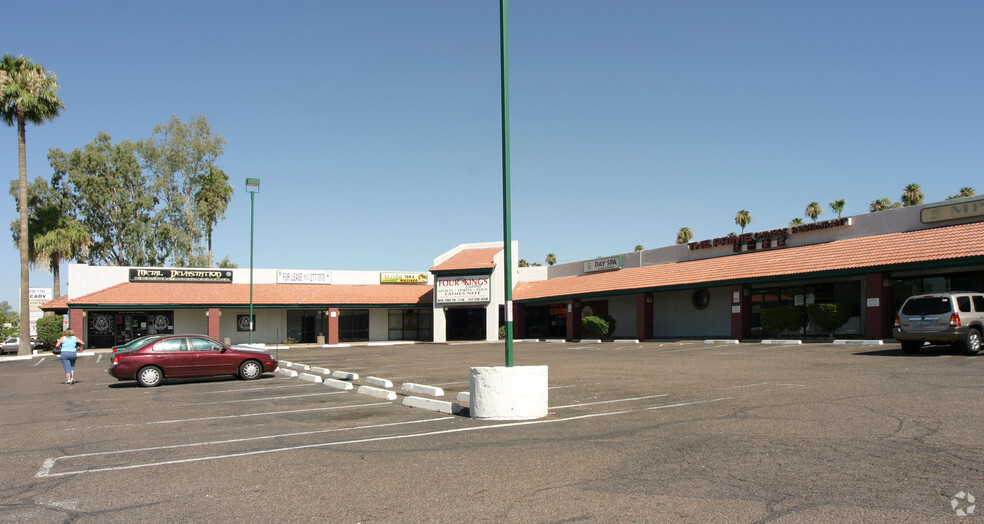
x=381 y=382
x=377 y=392
x=345 y=375
x=309 y=377
x=421 y=389
x=442 y=406
x=338 y=384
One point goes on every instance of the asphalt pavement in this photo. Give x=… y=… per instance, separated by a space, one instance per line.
x=672 y=431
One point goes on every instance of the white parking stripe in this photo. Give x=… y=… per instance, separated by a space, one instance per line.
x=609 y=401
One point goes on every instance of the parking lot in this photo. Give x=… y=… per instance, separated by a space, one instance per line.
x=682 y=431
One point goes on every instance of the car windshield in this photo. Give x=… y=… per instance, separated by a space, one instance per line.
x=927 y=306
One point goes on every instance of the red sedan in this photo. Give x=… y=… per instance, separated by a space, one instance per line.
x=172 y=356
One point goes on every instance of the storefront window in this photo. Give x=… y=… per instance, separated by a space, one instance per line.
x=353 y=325
x=410 y=324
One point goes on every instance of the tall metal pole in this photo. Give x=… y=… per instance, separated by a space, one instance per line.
x=506 y=209
x=252 y=194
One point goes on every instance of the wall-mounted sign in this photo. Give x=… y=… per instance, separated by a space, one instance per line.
x=952 y=211
x=463 y=290
x=243 y=323
x=403 y=278
x=603 y=264
x=767 y=239
x=303 y=276
x=204 y=276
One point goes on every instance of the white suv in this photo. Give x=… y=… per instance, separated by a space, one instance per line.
x=941 y=318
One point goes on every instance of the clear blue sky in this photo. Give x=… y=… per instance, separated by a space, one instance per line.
x=374 y=125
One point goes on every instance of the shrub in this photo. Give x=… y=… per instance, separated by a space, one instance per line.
x=829 y=316
x=49 y=330
x=778 y=319
x=610 y=333
x=595 y=325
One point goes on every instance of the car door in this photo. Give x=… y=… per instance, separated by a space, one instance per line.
x=209 y=358
x=172 y=356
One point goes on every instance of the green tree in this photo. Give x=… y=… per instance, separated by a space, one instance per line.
x=684 y=235
x=53 y=232
x=813 y=210
x=28 y=94
x=883 y=204
x=829 y=316
x=9 y=321
x=743 y=218
x=912 y=195
x=180 y=156
x=551 y=259
x=638 y=247
x=796 y=221
x=964 y=193
x=838 y=206
x=523 y=263
x=113 y=200
x=49 y=330
x=212 y=197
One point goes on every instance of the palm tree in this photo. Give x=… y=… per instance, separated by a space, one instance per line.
x=913 y=195
x=883 y=204
x=838 y=206
x=813 y=210
x=212 y=196
x=684 y=235
x=28 y=93
x=53 y=233
x=796 y=222
x=639 y=247
x=523 y=263
x=743 y=218
x=551 y=259
x=964 y=193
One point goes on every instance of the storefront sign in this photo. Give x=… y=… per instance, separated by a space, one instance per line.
x=403 y=278
x=303 y=276
x=953 y=211
x=203 y=276
x=603 y=264
x=766 y=239
x=463 y=290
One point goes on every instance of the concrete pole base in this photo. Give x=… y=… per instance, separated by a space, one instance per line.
x=508 y=393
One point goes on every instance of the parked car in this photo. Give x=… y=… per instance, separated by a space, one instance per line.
x=12 y=345
x=173 y=356
x=941 y=318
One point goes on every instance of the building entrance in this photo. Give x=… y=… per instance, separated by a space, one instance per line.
x=306 y=325
x=465 y=323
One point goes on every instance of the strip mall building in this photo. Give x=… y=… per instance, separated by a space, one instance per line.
x=710 y=288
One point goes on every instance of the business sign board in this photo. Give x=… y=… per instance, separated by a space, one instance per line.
x=403 y=278
x=37 y=296
x=476 y=289
x=303 y=276
x=603 y=264
x=200 y=276
x=952 y=211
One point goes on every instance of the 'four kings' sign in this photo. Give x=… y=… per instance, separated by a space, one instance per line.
x=463 y=290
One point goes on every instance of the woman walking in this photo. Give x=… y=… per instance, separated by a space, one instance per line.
x=70 y=346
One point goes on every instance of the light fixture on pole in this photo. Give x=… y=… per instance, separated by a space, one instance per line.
x=252 y=187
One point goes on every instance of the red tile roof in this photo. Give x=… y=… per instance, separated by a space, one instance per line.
x=164 y=294
x=879 y=251
x=58 y=303
x=469 y=259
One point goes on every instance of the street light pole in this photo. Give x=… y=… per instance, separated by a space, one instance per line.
x=252 y=187
x=506 y=211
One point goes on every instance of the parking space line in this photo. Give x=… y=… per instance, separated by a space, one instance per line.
x=267 y=413
x=609 y=401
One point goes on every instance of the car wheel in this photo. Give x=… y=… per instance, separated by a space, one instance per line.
x=910 y=347
x=973 y=344
x=250 y=370
x=150 y=376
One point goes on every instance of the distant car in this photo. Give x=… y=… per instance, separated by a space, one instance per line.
x=12 y=345
x=135 y=343
x=174 y=356
x=941 y=318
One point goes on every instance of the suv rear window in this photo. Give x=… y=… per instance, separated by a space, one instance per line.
x=927 y=306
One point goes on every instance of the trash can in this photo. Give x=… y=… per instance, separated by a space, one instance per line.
x=227 y=341
x=321 y=339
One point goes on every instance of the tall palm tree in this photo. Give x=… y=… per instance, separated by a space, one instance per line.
x=53 y=233
x=796 y=221
x=639 y=247
x=813 y=210
x=838 y=206
x=743 y=218
x=883 y=204
x=913 y=195
x=28 y=93
x=212 y=196
x=684 y=235
x=551 y=259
